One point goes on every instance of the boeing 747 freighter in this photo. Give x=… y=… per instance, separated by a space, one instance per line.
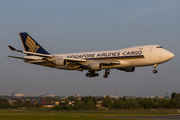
x=124 y=59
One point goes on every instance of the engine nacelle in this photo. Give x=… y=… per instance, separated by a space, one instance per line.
x=60 y=62
x=128 y=69
x=95 y=66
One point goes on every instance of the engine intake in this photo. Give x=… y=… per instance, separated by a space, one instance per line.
x=128 y=69
x=60 y=62
x=95 y=66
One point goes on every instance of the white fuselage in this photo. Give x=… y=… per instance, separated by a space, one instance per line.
x=128 y=57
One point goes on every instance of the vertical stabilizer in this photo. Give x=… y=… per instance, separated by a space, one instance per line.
x=30 y=44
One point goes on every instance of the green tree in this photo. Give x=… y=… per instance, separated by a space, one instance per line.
x=18 y=103
x=71 y=98
x=160 y=103
x=57 y=107
x=90 y=104
x=4 y=103
x=76 y=102
x=139 y=101
x=38 y=105
x=173 y=103
x=65 y=107
x=107 y=101
x=174 y=95
x=81 y=105
x=47 y=98
x=100 y=99
x=166 y=103
x=115 y=104
x=131 y=104
x=121 y=104
x=85 y=99
x=156 y=104
x=135 y=104
x=147 y=103
x=26 y=104
x=178 y=100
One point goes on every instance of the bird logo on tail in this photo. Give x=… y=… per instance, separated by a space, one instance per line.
x=32 y=45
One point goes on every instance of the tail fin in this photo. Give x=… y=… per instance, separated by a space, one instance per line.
x=30 y=44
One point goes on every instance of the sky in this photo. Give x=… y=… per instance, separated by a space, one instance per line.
x=69 y=26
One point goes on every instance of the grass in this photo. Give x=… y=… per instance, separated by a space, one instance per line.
x=31 y=114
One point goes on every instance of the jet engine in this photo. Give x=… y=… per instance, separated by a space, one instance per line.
x=95 y=66
x=60 y=62
x=128 y=69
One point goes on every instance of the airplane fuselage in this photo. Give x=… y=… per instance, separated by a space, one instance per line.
x=132 y=57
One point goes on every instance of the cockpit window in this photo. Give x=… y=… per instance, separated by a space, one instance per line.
x=159 y=47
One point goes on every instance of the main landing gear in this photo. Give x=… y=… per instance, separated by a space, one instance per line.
x=107 y=72
x=92 y=73
x=155 y=70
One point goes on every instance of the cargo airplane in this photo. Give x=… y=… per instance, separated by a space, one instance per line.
x=124 y=59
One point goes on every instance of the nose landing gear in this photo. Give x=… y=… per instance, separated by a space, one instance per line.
x=155 y=70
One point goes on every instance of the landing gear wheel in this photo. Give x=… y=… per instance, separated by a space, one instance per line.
x=107 y=73
x=155 y=71
x=96 y=74
x=92 y=73
x=105 y=76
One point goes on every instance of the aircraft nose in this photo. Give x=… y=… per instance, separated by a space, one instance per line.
x=166 y=55
x=171 y=55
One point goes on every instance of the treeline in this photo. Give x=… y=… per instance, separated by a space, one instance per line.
x=89 y=102
x=18 y=103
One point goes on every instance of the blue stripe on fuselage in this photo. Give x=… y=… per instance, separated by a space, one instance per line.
x=119 y=57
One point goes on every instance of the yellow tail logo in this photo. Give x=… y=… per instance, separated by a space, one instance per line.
x=32 y=45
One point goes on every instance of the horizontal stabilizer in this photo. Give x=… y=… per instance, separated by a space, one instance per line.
x=11 y=48
x=31 y=53
x=21 y=58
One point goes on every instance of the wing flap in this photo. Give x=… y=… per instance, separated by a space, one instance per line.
x=108 y=62
x=75 y=60
x=113 y=62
